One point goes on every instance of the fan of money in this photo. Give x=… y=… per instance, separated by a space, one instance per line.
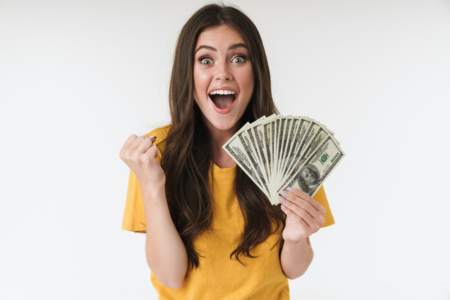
x=278 y=152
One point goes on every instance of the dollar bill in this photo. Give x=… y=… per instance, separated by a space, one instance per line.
x=316 y=168
x=277 y=152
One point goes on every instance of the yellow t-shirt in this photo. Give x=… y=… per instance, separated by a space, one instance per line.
x=218 y=277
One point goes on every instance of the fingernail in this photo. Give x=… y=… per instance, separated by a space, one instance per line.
x=288 y=189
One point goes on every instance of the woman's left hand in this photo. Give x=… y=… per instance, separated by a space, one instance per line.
x=304 y=215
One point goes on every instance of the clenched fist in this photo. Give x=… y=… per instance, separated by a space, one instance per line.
x=139 y=153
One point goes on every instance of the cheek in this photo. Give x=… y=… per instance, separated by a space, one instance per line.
x=245 y=78
x=201 y=80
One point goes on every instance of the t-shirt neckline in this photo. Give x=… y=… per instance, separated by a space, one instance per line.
x=225 y=170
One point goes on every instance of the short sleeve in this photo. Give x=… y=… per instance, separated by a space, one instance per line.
x=134 y=212
x=321 y=197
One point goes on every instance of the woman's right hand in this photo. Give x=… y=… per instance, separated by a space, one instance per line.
x=139 y=153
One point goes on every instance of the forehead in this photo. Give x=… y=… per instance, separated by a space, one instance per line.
x=219 y=35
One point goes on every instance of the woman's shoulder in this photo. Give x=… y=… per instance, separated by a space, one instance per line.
x=160 y=133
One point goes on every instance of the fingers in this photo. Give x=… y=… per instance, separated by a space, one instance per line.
x=289 y=212
x=152 y=151
x=303 y=209
x=295 y=200
x=135 y=147
x=128 y=143
x=145 y=143
x=130 y=140
x=312 y=222
x=301 y=194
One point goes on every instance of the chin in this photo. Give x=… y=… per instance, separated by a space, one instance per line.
x=225 y=125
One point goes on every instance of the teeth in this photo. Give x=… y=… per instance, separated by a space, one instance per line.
x=222 y=92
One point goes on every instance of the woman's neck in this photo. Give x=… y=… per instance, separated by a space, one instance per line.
x=220 y=157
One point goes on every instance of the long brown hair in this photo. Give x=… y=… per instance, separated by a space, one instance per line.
x=187 y=157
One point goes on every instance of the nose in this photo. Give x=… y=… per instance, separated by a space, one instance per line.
x=224 y=77
x=223 y=73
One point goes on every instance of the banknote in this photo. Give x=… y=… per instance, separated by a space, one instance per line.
x=313 y=171
x=278 y=151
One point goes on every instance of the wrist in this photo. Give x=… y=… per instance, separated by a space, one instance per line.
x=154 y=192
x=296 y=243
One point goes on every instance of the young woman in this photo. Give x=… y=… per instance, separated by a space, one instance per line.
x=210 y=232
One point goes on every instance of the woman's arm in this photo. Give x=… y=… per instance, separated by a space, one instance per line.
x=165 y=251
x=304 y=216
x=296 y=257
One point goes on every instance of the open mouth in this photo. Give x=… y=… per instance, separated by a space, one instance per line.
x=222 y=102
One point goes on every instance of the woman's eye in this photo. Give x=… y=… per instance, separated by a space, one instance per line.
x=240 y=58
x=205 y=60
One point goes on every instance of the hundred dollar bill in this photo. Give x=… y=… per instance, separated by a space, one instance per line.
x=276 y=145
x=263 y=148
x=288 y=139
x=287 y=121
x=318 y=138
x=316 y=168
x=293 y=142
x=242 y=149
x=299 y=140
x=254 y=146
x=254 y=149
x=310 y=130
x=236 y=150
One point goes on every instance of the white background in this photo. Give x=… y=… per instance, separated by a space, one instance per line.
x=78 y=77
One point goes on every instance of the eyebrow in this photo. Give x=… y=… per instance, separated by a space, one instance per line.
x=234 y=46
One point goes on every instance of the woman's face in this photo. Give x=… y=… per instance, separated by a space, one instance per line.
x=222 y=66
